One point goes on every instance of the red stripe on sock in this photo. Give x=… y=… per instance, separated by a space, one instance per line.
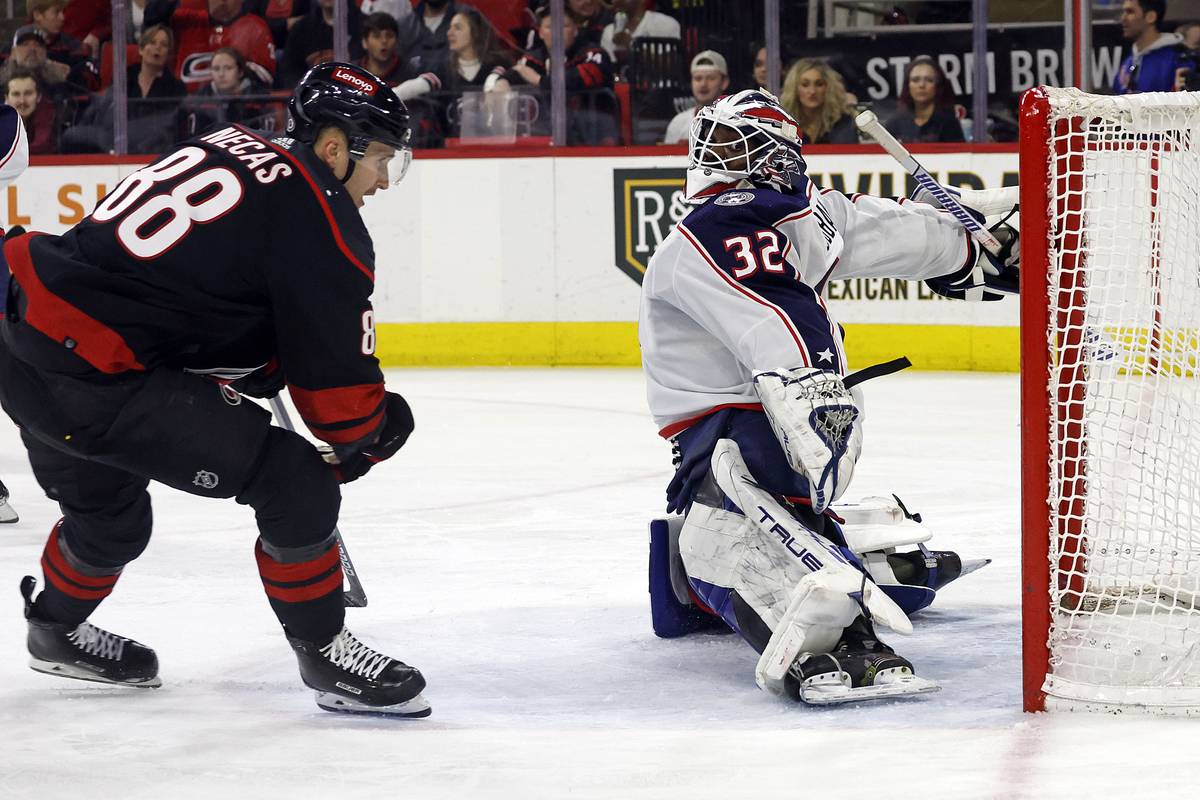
x=55 y=579
x=54 y=555
x=272 y=570
x=299 y=594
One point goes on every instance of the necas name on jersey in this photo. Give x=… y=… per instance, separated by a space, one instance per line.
x=358 y=82
x=264 y=163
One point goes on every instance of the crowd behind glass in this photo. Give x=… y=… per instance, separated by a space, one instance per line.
x=635 y=70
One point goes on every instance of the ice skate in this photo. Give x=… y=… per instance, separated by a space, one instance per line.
x=86 y=652
x=6 y=511
x=860 y=668
x=350 y=677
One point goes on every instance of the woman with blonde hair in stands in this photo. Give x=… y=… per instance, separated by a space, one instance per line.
x=814 y=94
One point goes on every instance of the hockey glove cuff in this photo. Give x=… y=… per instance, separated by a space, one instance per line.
x=397 y=426
x=988 y=276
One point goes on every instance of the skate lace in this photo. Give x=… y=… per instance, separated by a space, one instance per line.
x=97 y=642
x=352 y=655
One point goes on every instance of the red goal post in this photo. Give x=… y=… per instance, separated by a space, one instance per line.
x=1110 y=401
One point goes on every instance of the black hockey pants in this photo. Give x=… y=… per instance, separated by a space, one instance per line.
x=95 y=441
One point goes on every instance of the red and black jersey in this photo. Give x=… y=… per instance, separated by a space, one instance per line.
x=231 y=250
x=587 y=67
x=198 y=38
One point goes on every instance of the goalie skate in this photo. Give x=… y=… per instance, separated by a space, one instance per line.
x=859 y=669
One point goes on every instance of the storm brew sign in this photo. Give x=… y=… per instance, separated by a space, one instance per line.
x=646 y=205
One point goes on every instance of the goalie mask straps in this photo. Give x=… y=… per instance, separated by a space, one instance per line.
x=876 y=371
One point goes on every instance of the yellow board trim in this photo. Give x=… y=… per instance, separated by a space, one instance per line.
x=614 y=344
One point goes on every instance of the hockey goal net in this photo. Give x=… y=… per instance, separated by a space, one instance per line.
x=1110 y=385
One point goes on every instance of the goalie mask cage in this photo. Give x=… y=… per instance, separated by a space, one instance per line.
x=1110 y=401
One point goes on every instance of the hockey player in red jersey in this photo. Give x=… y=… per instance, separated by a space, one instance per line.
x=746 y=374
x=233 y=258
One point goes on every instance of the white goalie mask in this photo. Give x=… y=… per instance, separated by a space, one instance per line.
x=742 y=137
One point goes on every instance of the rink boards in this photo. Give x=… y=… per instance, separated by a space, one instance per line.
x=528 y=257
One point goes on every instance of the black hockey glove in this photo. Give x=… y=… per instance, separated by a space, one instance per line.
x=264 y=383
x=988 y=276
x=397 y=425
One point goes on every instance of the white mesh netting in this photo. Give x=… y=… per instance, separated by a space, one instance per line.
x=1124 y=386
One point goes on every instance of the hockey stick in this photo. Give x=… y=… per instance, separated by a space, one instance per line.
x=869 y=124
x=354 y=596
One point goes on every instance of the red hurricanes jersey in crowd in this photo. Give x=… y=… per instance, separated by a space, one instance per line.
x=197 y=40
x=226 y=253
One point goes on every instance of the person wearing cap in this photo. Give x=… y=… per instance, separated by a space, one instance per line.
x=710 y=79
x=29 y=51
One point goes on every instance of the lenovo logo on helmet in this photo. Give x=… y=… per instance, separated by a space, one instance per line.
x=349 y=78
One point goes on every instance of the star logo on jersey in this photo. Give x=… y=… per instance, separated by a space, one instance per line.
x=825 y=355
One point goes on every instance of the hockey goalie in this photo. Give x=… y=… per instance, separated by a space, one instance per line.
x=746 y=375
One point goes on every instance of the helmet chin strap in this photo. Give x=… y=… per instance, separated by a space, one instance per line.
x=349 y=171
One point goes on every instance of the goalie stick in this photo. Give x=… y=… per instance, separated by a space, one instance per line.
x=869 y=124
x=354 y=596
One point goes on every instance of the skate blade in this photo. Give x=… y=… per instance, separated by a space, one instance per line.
x=412 y=709
x=7 y=514
x=835 y=691
x=81 y=674
x=973 y=564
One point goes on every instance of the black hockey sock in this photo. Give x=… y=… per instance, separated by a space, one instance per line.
x=73 y=589
x=304 y=587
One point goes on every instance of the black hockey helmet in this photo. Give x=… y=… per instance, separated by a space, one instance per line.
x=354 y=100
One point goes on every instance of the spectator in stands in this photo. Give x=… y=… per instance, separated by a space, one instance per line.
x=813 y=93
x=710 y=79
x=476 y=61
x=423 y=42
x=21 y=91
x=223 y=23
x=91 y=20
x=29 y=52
x=927 y=111
x=632 y=21
x=310 y=41
x=47 y=15
x=589 y=79
x=154 y=95
x=380 y=34
x=221 y=100
x=1190 y=33
x=591 y=17
x=759 y=74
x=1157 y=57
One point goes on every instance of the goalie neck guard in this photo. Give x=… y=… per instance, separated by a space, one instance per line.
x=742 y=137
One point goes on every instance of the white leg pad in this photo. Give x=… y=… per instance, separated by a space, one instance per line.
x=820 y=608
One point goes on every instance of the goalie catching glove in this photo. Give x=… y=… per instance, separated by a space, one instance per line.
x=819 y=423
x=397 y=426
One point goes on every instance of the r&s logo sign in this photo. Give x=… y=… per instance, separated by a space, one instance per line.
x=646 y=205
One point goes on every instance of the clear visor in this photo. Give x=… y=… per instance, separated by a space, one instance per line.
x=384 y=164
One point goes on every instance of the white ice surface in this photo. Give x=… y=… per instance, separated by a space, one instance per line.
x=504 y=553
